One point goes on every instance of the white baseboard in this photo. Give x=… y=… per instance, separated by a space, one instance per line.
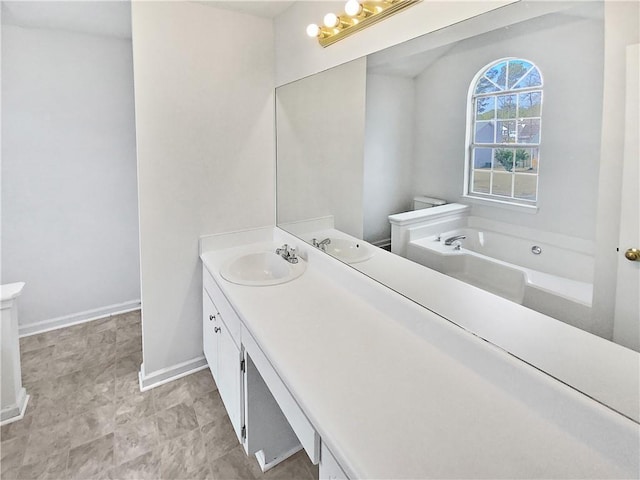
x=160 y=377
x=280 y=458
x=76 y=318
x=15 y=412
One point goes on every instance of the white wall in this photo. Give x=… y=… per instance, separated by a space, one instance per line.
x=569 y=52
x=205 y=134
x=297 y=55
x=388 y=152
x=320 y=121
x=69 y=195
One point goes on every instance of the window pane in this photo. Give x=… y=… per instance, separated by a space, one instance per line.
x=503 y=159
x=526 y=160
x=529 y=130
x=482 y=158
x=498 y=74
x=517 y=69
x=506 y=106
x=530 y=104
x=525 y=186
x=484 y=132
x=481 y=182
x=485 y=86
x=506 y=132
x=502 y=184
x=532 y=79
x=485 y=108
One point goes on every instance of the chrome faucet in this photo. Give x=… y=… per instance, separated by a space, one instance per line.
x=288 y=253
x=450 y=240
x=321 y=245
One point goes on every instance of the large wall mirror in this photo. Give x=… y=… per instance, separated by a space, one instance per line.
x=474 y=151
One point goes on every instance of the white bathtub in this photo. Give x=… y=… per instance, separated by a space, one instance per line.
x=558 y=281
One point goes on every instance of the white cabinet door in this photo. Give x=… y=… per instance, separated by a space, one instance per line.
x=210 y=324
x=229 y=378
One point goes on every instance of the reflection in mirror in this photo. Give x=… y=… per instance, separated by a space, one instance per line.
x=368 y=152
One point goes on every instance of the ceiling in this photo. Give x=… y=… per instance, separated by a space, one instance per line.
x=107 y=18
x=110 y=18
x=259 y=8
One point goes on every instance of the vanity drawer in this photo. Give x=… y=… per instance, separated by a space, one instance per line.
x=303 y=429
x=227 y=313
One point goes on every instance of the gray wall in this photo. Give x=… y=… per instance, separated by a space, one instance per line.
x=388 y=152
x=205 y=133
x=69 y=194
x=569 y=52
x=320 y=123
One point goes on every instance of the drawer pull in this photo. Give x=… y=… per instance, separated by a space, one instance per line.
x=217 y=329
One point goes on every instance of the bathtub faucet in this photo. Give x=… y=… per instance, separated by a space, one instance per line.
x=450 y=240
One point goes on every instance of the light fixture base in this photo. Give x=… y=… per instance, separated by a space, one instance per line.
x=388 y=10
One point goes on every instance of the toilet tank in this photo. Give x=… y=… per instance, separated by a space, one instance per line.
x=426 y=202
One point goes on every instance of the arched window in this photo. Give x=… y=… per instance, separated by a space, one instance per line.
x=505 y=108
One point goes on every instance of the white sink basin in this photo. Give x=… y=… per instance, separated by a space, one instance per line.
x=261 y=269
x=349 y=251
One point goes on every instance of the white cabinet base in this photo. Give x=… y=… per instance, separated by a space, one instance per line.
x=280 y=458
x=13 y=396
x=269 y=434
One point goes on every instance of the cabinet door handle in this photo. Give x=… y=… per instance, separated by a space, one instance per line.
x=216 y=329
x=211 y=318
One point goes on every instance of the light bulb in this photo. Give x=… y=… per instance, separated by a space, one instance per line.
x=313 y=30
x=331 y=20
x=352 y=8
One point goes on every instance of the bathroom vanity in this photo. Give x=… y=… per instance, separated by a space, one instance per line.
x=372 y=385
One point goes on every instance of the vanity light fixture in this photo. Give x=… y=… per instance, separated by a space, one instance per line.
x=358 y=15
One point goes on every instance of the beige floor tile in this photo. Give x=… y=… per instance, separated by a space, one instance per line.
x=184 y=457
x=102 y=337
x=48 y=411
x=100 y=325
x=135 y=439
x=35 y=342
x=53 y=467
x=91 y=459
x=209 y=407
x=12 y=454
x=131 y=345
x=103 y=354
x=70 y=345
x=176 y=421
x=91 y=425
x=234 y=464
x=88 y=419
x=19 y=428
x=128 y=364
x=92 y=396
x=200 y=383
x=219 y=437
x=35 y=364
x=172 y=393
x=127 y=328
x=43 y=442
x=144 y=467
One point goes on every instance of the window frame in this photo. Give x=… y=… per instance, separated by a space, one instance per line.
x=471 y=145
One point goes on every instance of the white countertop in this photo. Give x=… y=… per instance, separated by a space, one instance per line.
x=435 y=402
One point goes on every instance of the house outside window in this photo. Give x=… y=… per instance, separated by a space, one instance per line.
x=505 y=114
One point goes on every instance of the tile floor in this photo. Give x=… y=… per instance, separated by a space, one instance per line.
x=88 y=419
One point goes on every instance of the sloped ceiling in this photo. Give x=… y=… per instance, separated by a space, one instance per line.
x=106 y=18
